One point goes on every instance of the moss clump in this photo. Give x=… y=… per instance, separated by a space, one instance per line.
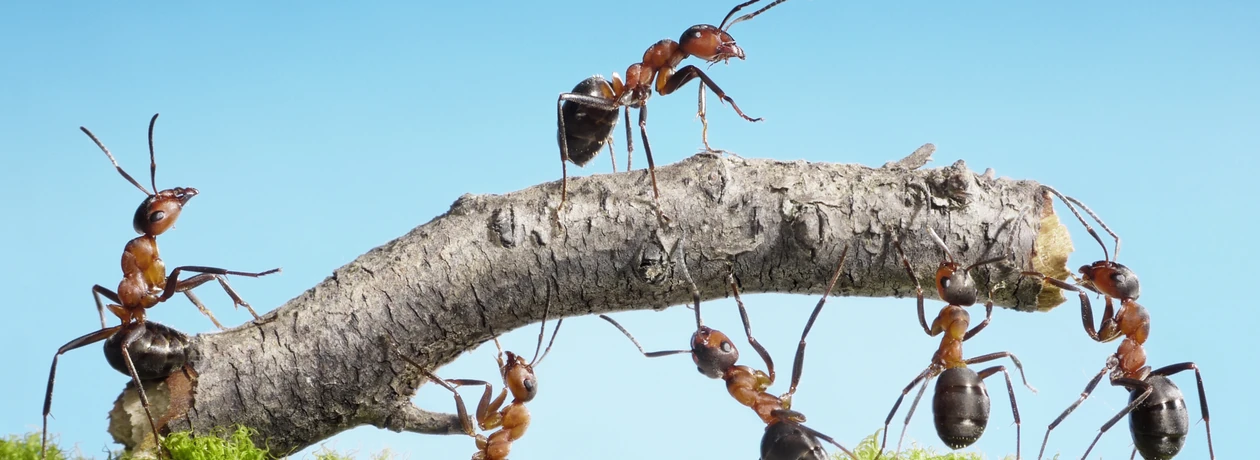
x=237 y=446
x=26 y=447
x=868 y=449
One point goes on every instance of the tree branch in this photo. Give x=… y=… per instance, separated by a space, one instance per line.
x=318 y=365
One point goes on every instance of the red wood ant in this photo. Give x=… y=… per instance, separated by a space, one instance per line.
x=960 y=402
x=518 y=377
x=144 y=282
x=715 y=357
x=586 y=116
x=1158 y=418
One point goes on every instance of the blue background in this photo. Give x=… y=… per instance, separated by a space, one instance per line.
x=317 y=132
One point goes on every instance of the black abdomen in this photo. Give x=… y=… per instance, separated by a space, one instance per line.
x=158 y=352
x=960 y=407
x=1159 y=426
x=588 y=128
x=790 y=441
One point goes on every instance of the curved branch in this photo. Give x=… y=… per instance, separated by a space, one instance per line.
x=317 y=365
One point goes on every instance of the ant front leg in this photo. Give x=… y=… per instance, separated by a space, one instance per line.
x=988 y=314
x=798 y=364
x=173 y=287
x=743 y=316
x=1168 y=371
x=629 y=140
x=99 y=291
x=686 y=74
x=488 y=417
x=1087 y=312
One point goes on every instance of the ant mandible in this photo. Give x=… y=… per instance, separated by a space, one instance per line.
x=1158 y=418
x=586 y=116
x=144 y=282
x=518 y=377
x=715 y=357
x=960 y=402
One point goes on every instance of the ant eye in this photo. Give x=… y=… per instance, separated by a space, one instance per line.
x=529 y=385
x=945 y=283
x=726 y=347
x=156 y=216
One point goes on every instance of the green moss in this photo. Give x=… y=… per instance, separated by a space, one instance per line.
x=237 y=446
x=27 y=448
x=868 y=449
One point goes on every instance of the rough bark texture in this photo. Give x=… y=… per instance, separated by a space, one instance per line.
x=318 y=365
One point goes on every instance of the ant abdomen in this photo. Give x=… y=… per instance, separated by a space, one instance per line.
x=960 y=406
x=157 y=353
x=1159 y=426
x=786 y=440
x=588 y=128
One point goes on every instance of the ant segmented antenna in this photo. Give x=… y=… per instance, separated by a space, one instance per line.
x=1115 y=255
x=152 y=156
x=1068 y=201
x=746 y=16
x=115 y=162
x=941 y=243
x=542 y=329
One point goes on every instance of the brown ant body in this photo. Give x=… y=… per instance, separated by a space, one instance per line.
x=144 y=282
x=586 y=116
x=960 y=402
x=158 y=349
x=512 y=420
x=1158 y=418
x=715 y=357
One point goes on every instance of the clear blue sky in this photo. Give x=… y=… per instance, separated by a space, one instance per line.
x=316 y=133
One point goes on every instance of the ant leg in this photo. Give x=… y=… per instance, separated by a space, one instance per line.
x=1010 y=390
x=798 y=363
x=1133 y=385
x=97 y=292
x=909 y=414
x=704 y=121
x=686 y=74
x=1087 y=312
x=205 y=311
x=1089 y=388
x=461 y=410
x=1203 y=406
x=132 y=336
x=172 y=288
x=918 y=289
x=647 y=150
x=830 y=440
x=999 y=355
x=988 y=314
x=743 y=316
x=589 y=101
x=648 y=354
x=928 y=373
x=88 y=339
x=488 y=417
x=629 y=140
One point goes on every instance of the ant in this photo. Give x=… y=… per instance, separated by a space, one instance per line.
x=960 y=402
x=518 y=377
x=715 y=357
x=1158 y=418
x=586 y=116
x=145 y=282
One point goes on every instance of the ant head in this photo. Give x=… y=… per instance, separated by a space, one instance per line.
x=158 y=212
x=955 y=285
x=710 y=43
x=1112 y=279
x=713 y=352
x=518 y=376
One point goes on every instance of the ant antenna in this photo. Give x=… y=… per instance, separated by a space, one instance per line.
x=115 y=162
x=749 y=15
x=542 y=329
x=941 y=243
x=733 y=11
x=1114 y=254
x=152 y=158
x=1068 y=201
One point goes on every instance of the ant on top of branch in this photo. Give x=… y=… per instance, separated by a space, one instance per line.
x=586 y=116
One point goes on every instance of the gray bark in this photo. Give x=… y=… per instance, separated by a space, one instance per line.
x=492 y=263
